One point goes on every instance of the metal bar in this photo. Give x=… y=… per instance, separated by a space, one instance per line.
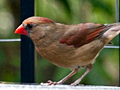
x=27 y=47
x=18 y=40
x=117 y=11
x=118 y=3
x=10 y=40
x=115 y=47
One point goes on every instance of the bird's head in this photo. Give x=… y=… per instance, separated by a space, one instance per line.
x=34 y=24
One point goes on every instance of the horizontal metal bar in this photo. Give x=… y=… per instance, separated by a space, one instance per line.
x=10 y=40
x=116 y=47
x=17 y=40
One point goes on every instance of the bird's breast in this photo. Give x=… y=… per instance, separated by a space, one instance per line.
x=69 y=57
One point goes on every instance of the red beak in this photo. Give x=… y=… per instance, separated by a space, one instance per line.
x=21 y=30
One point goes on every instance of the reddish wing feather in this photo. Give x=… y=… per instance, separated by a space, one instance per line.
x=86 y=33
x=94 y=34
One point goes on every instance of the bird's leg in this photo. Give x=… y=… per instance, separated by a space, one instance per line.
x=68 y=76
x=64 y=79
x=89 y=67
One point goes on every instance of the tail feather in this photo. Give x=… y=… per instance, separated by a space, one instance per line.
x=113 y=24
x=113 y=30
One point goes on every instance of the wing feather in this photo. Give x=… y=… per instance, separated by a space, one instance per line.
x=86 y=33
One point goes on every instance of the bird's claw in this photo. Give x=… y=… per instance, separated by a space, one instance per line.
x=76 y=84
x=49 y=82
x=73 y=84
x=52 y=83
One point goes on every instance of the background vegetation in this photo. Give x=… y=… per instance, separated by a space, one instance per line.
x=106 y=68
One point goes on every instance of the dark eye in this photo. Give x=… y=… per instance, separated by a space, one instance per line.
x=29 y=26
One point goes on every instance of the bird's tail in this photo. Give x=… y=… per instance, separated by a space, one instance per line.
x=113 y=30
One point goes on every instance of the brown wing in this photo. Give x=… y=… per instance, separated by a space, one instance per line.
x=85 y=34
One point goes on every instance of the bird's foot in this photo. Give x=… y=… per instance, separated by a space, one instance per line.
x=52 y=83
x=49 y=82
x=74 y=84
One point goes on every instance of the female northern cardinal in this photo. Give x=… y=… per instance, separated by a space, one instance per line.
x=68 y=46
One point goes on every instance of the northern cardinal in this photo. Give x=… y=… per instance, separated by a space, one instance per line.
x=68 y=46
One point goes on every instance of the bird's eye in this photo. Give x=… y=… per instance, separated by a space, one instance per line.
x=30 y=26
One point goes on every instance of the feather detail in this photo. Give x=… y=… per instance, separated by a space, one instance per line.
x=38 y=20
x=45 y=20
x=85 y=34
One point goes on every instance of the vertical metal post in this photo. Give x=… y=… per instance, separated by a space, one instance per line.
x=27 y=47
x=119 y=35
x=117 y=11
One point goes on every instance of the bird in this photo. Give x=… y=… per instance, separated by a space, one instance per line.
x=72 y=46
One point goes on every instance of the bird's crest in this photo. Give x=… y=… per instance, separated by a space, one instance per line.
x=45 y=20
